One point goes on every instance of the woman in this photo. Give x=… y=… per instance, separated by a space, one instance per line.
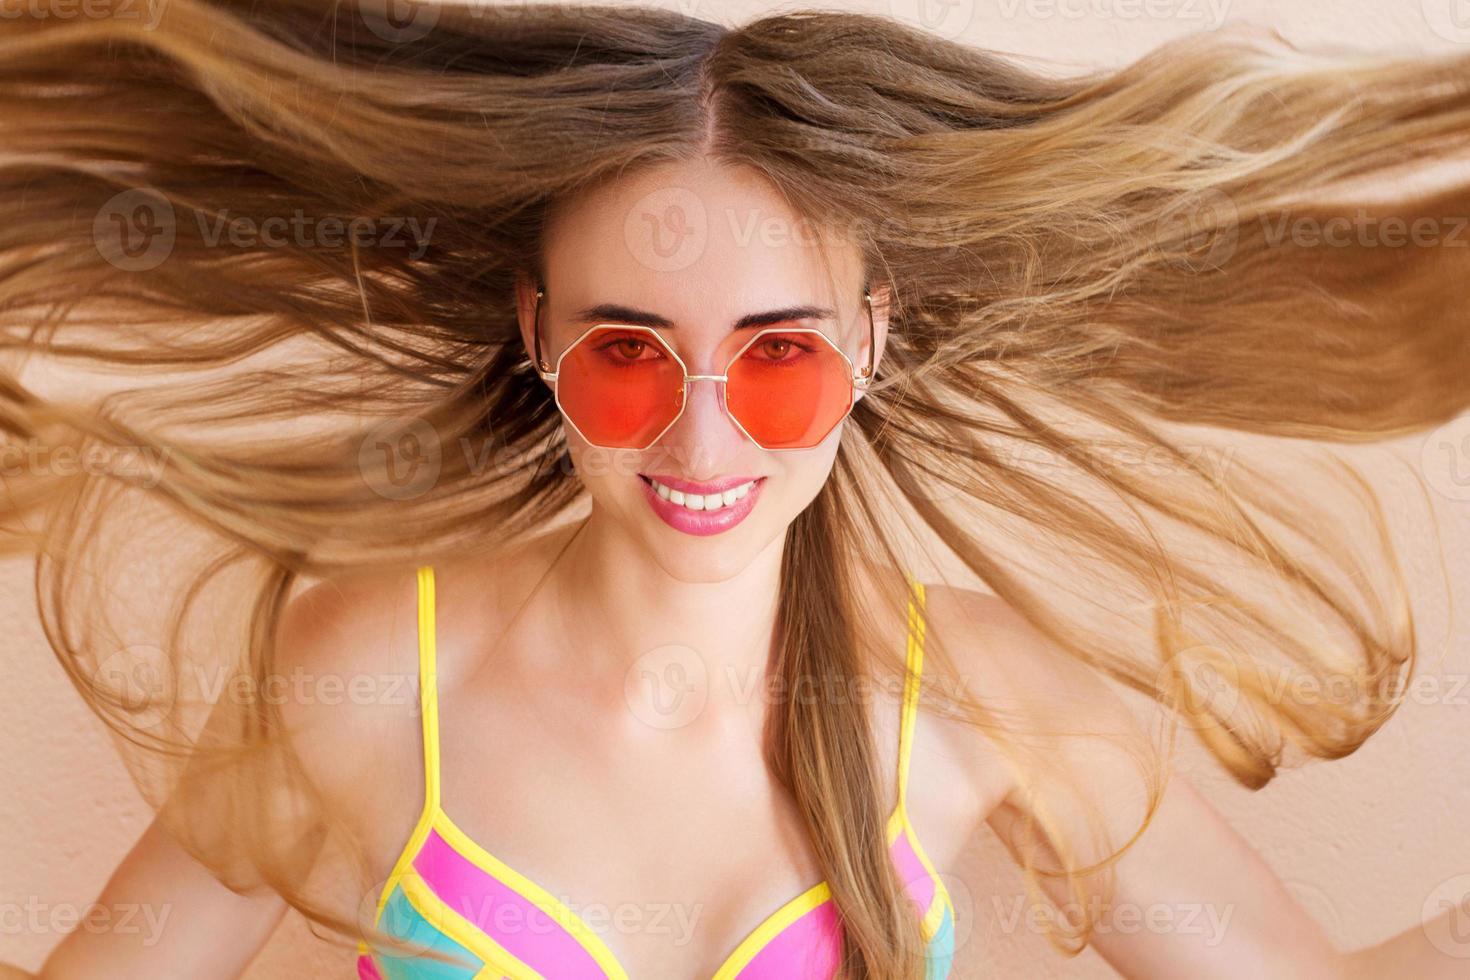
x=620 y=376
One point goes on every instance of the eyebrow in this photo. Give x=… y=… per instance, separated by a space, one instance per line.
x=604 y=312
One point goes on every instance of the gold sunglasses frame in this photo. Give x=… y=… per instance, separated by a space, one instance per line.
x=860 y=378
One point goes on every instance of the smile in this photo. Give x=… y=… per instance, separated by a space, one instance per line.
x=701 y=509
x=702 y=501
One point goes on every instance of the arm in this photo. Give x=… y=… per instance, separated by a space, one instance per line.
x=1412 y=954
x=174 y=919
x=1190 y=897
x=166 y=915
x=1225 y=913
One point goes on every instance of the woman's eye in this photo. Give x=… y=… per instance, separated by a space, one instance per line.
x=628 y=349
x=778 y=349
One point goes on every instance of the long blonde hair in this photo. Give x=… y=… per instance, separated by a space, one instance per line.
x=1087 y=273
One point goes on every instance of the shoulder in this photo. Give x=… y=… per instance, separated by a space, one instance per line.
x=353 y=643
x=1054 y=726
x=1004 y=657
x=348 y=608
x=346 y=669
x=348 y=627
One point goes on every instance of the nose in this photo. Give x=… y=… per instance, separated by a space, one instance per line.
x=704 y=441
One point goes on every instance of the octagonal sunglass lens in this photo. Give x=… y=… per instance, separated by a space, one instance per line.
x=621 y=388
x=789 y=389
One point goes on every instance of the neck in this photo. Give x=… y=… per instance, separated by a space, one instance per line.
x=629 y=616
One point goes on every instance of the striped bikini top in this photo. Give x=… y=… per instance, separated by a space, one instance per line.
x=448 y=893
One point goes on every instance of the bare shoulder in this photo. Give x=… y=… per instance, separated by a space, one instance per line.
x=346 y=659
x=1004 y=658
x=353 y=642
x=1036 y=696
x=963 y=647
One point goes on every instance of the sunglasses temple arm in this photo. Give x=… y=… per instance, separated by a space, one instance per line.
x=536 y=333
x=864 y=377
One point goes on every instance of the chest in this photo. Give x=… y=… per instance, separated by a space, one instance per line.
x=557 y=838
x=625 y=849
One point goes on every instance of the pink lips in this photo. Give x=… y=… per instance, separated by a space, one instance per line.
x=699 y=522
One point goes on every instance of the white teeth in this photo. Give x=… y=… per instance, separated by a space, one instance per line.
x=697 y=501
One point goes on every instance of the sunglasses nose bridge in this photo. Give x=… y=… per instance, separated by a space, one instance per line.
x=697 y=421
x=719 y=386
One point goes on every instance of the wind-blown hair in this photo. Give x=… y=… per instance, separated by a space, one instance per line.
x=1088 y=274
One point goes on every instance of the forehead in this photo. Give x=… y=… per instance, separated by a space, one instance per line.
x=695 y=241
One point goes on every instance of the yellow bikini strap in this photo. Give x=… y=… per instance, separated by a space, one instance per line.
x=428 y=685
x=915 y=670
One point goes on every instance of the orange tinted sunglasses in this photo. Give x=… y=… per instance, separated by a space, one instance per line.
x=622 y=387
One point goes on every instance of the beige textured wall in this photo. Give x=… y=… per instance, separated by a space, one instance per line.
x=1364 y=842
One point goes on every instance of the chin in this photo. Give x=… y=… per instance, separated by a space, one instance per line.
x=709 y=559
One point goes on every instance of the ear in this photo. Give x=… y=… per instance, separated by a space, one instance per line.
x=526 y=304
x=882 y=297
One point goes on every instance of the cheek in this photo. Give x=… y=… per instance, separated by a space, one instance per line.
x=802 y=475
x=604 y=472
